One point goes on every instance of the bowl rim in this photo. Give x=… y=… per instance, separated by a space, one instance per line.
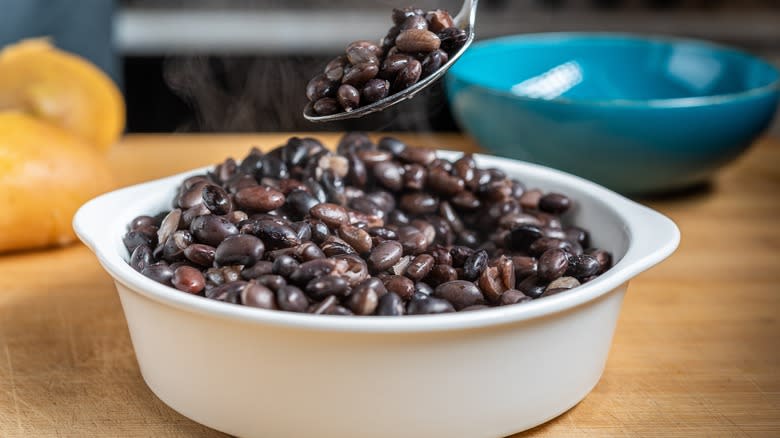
x=644 y=250
x=676 y=102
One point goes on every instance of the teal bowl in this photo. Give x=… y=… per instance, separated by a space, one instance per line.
x=636 y=114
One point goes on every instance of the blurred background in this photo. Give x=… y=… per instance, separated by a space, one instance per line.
x=242 y=65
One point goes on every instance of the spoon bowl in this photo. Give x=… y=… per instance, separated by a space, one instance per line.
x=464 y=20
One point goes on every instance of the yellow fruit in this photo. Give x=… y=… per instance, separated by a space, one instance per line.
x=63 y=89
x=46 y=173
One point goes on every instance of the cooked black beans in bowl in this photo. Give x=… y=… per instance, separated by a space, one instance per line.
x=418 y=44
x=371 y=229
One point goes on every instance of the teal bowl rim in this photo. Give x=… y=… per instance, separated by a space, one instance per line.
x=677 y=102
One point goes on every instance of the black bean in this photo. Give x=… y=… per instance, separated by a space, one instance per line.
x=141 y=257
x=374 y=90
x=159 y=272
x=554 y=203
x=320 y=86
x=474 y=265
x=420 y=267
x=259 y=199
x=441 y=274
x=362 y=52
x=284 y=265
x=243 y=249
x=603 y=257
x=439 y=20
x=392 y=65
x=581 y=266
x=334 y=71
x=326 y=106
x=359 y=74
x=414 y=22
x=352 y=268
x=385 y=255
x=390 y=304
x=513 y=296
x=291 y=299
x=358 y=239
x=229 y=292
x=263 y=267
x=321 y=287
x=419 y=203
x=373 y=283
x=417 y=40
x=332 y=214
x=520 y=238
x=311 y=269
x=211 y=229
x=491 y=285
x=399 y=285
x=401 y=14
x=257 y=295
x=452 y=39
x=532 y=286
x=271 y=281
x=273 y=234
x=460 y=293
x=216 y=199
x=553 y=263
x=429 y=306
x=433 y=62
x=408 y=75
x=414 y=177
x=188 y=279
x=363 y=301
x=391 y=144
x=135 y=238
x=349 y=97
x=389 y=174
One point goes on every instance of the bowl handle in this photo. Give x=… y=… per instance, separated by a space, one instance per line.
x=654 y=237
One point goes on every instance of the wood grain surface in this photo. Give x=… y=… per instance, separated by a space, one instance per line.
x=695 y=352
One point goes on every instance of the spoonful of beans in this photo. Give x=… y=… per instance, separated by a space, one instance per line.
x=417 y=51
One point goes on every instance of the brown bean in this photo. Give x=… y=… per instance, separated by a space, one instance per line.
x=256 y=295
x=188 y=279
x=399 y=285
x=439 y=20
x=259 y=199
x=420 y=267
x=359 y=74
x=385 y=255
x=417 y=40
x=460 y=293
x=332 y=214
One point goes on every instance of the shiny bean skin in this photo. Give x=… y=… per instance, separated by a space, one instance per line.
x=385 y=255
x=243 y=249
x=417 y=40
x=460 y=293
x=332 y=215
x=420 y=267
x=291 y=299
x=390 y=304
x=430 y=306
x=257 y=295
x=399 y=285
x=259 y=199
x=368 y=229
x=374 y=90
x=553 y=263
x=212 y=230
x=188 y=279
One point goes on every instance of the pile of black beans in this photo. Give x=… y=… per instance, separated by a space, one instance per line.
x=372 y=229
x=417 y=45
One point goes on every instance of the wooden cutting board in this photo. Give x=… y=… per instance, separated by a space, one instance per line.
x=695 y=352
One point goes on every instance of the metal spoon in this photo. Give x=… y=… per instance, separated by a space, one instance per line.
x=464 y=20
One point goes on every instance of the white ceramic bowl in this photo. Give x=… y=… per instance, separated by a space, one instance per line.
x=490 y=373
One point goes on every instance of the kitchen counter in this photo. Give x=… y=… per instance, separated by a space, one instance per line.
x=695 y=352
